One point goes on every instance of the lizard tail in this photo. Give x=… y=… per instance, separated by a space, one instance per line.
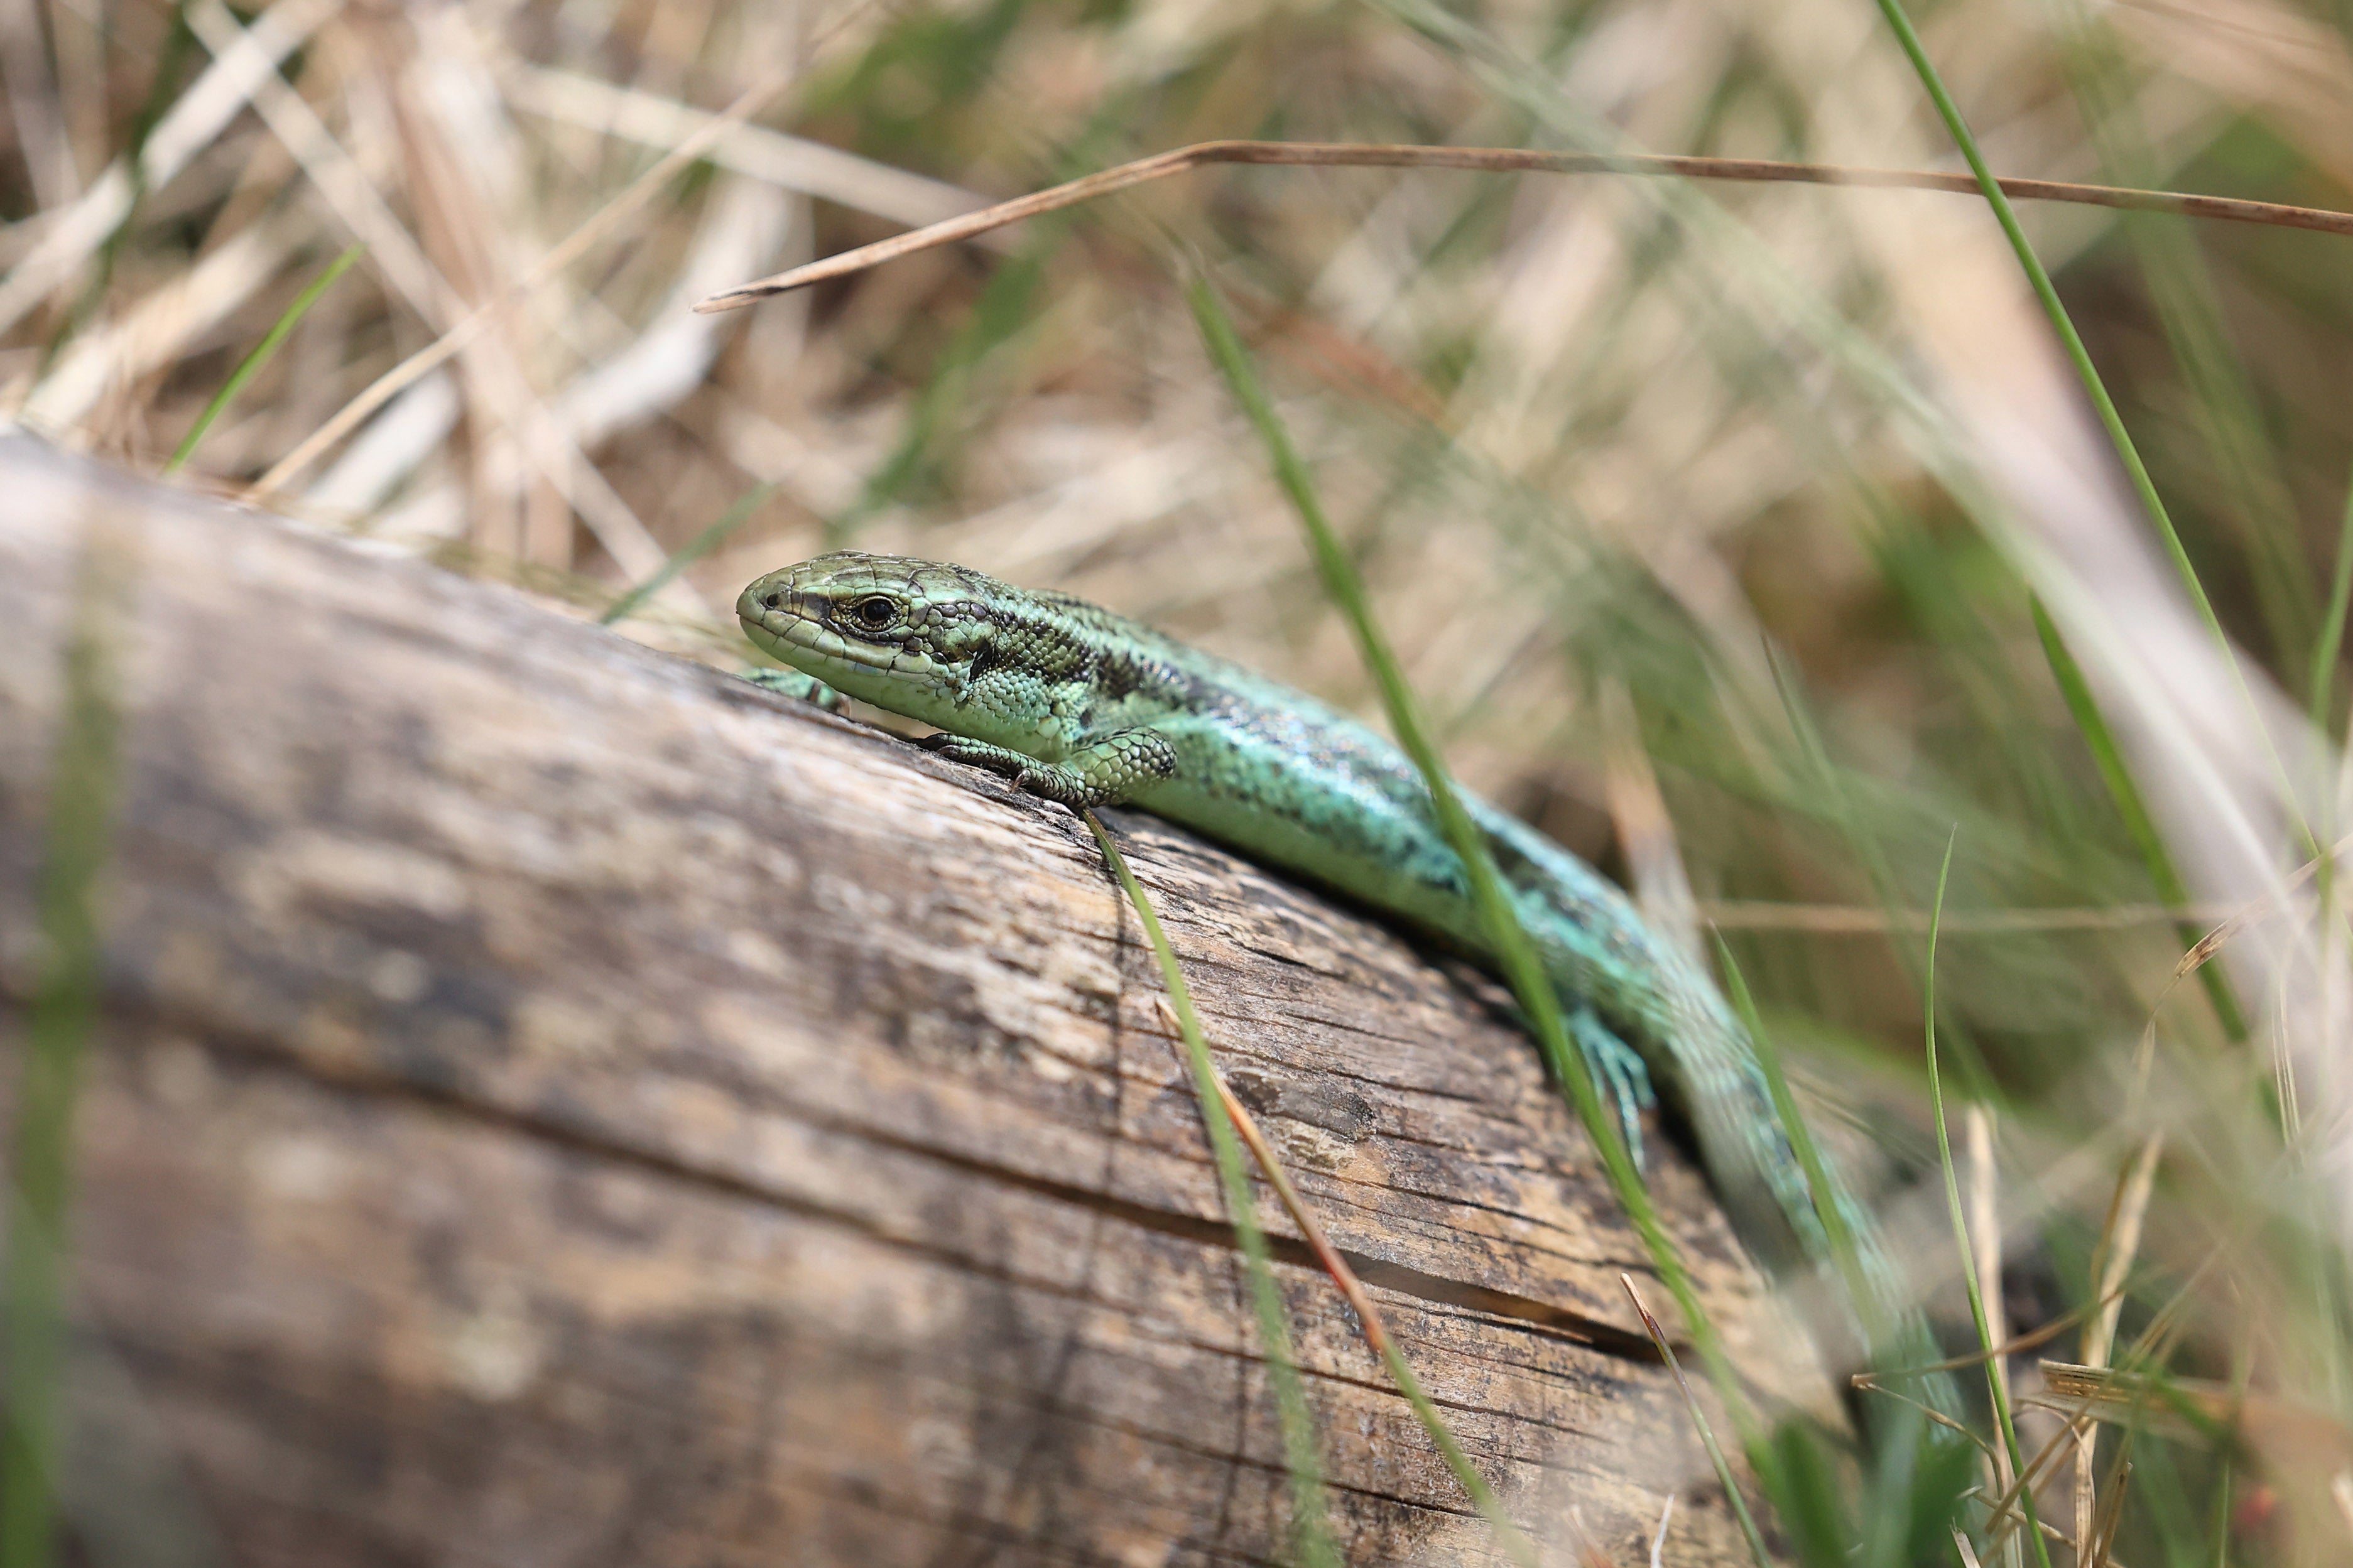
x=1598 y=950
x=1751 y=1156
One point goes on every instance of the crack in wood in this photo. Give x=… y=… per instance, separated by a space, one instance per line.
x=1519 y=1312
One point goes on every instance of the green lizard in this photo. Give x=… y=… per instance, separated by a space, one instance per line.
x=1090 y=709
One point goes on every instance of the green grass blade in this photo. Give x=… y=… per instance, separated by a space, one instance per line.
x=713 y=536
x=1005 y=307
x=2331 y=641
x=2322 y=689
x=1852 y=822
x=2222 y=401
x=2044 y=291
x=2222 y=1515
x=1813 y=1510
x=1517 y=955
x=1903 y=1495
x=1809 y=1155
x=2106 y=756
x=1788 y=304
x=2096 y=390
x=263 y=352
x=1310 y=1527
x=1716 y=1458
x=59 y=1024
x=1007 y=304
x=1508 y=1535
x=1961 y=1224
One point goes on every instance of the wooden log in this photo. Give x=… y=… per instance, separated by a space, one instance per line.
x=559 y=1104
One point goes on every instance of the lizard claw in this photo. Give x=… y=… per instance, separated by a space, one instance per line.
x=1004 y=764
x=1622 y=1072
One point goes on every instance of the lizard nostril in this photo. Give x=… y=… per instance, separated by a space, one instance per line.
x=774 y=600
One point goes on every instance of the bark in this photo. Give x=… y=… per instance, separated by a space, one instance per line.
x=557 y=1104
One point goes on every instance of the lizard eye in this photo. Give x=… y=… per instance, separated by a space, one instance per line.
x=876 y=611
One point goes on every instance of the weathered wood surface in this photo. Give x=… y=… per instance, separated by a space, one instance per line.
x=559 y=1105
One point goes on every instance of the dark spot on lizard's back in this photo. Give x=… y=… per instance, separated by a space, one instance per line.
x=1121 y=673
x=1040 y=644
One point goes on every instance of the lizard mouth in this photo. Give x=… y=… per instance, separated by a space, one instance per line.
x=792 y=627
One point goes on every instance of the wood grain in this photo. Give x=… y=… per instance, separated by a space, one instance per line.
x=559 y=1105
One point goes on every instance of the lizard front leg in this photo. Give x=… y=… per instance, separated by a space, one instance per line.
x=793 y=683
x=1107 y=773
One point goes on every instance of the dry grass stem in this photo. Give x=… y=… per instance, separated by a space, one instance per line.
x=2096 y=1548
x=501 y=385
x=1368 y=1317
x=2119 y=1246
x=158 y=330
x=1646 y=829
x=1870 y=1383
x=2004 y=1517
x=1756 y=1550
x=791 y=163
x=34 y=106
x=2214 y=941
x=197 y=117
x=1985 y=1231
x=464 y=333
x=1975 y=1359
x=1845 y=919
x=2271 y=1423
x=349 y=193
x=1500 y=159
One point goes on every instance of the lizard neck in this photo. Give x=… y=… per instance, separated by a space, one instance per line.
x=1054 y=677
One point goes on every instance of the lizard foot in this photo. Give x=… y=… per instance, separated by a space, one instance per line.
x=1105 y=773
x=1000 y=760
x=793 y=683
x=1620 y=1071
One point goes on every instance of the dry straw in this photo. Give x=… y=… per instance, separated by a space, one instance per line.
x=1500 y=161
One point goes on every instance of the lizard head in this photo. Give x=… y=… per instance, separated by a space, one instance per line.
x=906 y=634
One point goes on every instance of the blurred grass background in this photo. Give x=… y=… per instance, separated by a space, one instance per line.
x=1638 y=475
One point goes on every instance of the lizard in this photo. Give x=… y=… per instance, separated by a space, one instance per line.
x=1087 y=708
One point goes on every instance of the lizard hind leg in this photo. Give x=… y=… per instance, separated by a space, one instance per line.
x=1620 y=1072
